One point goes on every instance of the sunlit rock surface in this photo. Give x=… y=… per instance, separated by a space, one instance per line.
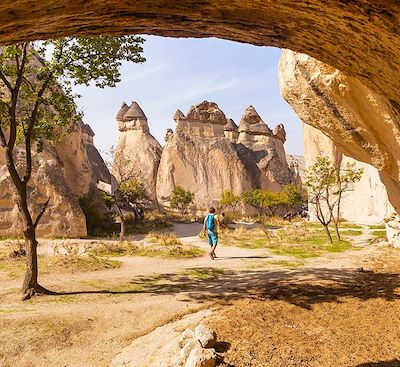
x=137 y=153
x=367 y=202
x=63 y=173
x=209 y=154
x=199 y=158
x=258 y=144
x=361 y=123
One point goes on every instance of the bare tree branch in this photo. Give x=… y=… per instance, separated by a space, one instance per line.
x=28 y=132
x=3 y=138
x=6 y=82
x=44 y=207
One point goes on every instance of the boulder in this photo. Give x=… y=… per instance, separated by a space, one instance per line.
x=187 y=336
x=206 y=336
x=137 y=153
x=187 y=349
x=201 y=358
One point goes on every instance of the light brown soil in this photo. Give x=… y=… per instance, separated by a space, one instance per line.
x=322 y=313
x=333 y=318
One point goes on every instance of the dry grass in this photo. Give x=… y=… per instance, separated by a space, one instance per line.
x=159 y=244
x=164 y=239
x=66 y=258
x=297 y=240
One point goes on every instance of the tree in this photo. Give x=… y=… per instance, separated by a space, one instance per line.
x=293 y=196
x=231 y=200
x=133 y=192
x=37 y=105
x=181 y=199
x=326 y=185
x=320 y=183
x=345 y=178
x=254 y=199
x=263 y=200
x=127 y=191
x=272 y=200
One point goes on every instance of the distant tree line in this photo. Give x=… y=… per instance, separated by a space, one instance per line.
x=266 y=202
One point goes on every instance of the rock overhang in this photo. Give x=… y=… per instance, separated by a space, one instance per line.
x=359 y=38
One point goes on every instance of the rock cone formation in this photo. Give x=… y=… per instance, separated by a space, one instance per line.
x=200 y=158
x=257 y=144
x=64 y=172
x=137 y=153
x=209 y=154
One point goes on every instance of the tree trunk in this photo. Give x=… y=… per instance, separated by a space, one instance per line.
x=30 y=286
x=123 y=229
x=328 y=234
x=31 y=276
x=337 y=232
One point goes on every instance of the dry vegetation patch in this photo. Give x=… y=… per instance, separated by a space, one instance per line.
x=299 y=240
x=340 y=318
x=67 y=257
x=156 y=244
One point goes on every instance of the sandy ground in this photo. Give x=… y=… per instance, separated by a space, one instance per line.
x=101 y=313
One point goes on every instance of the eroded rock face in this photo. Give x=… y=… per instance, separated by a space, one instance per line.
x=64 y=172
x=99 y=168
x=297 y=165
x=137 y=153
x=368 y=202
x=258 y=145
x=199 y=158
x=51 y=179
x=361 y=123
x=359 y=38
x=209 y=154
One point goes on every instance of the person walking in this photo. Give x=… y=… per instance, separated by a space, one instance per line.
x=210 y=230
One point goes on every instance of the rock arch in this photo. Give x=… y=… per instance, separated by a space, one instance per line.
x=360 y=38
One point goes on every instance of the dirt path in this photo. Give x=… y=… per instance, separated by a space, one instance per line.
x=122 y=304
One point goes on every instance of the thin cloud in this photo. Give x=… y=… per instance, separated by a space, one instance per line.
x=176 y=100
x=142 y=74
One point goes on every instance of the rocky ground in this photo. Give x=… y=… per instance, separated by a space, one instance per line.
x=336 y=309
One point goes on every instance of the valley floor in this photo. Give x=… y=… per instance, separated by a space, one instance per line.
x=270 y=309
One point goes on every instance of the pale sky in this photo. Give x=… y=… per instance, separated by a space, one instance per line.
x=182 y=72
